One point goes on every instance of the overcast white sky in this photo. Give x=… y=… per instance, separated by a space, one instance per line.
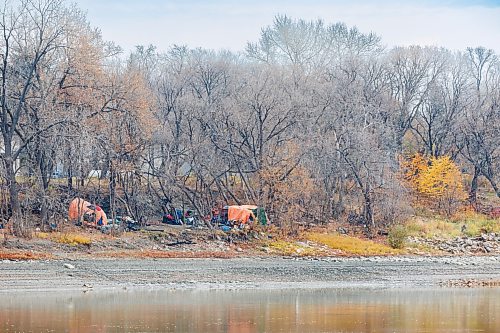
x=229 y=24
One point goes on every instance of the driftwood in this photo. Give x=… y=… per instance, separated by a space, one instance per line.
x=181 y=242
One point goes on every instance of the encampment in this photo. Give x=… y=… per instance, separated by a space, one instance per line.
x=179 y=216
x=246 y=214
x=79 y=210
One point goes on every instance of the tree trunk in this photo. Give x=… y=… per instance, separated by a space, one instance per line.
x=70 y=178
x=112 y=197
x=45 y=214
x=44 y=188
x=368 y=210
x=339 y=205
x=473 y=188
x=494 y=185
x=14 y=194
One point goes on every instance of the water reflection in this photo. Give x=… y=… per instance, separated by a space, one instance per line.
x=438 y=310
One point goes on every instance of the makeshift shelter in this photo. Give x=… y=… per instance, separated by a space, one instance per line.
x=261 y=215
x=79 y=208
x=246 y=213
x=239 y=214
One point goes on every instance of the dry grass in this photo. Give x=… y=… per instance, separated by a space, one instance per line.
x=419 y=249
x=43 y=235
x=73 y=239
x=432 y=227
x=352 y=245
x=23 y=256
x=291 y=248
x=474 y=224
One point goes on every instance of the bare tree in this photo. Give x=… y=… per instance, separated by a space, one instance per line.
x=412 y=71
x=437 y=120
x=33 y=37
x=310 y=44
x=480 y=132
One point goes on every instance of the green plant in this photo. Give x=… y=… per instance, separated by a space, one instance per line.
x=397 y=236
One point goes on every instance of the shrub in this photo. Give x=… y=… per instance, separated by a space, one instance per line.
x=397 y=236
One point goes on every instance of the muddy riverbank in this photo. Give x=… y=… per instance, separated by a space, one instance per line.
x=243 y=273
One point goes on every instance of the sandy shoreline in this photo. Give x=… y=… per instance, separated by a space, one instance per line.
x=242 y=273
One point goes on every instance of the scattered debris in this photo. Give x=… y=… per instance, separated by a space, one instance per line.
x=69 y=266
x=470 y=283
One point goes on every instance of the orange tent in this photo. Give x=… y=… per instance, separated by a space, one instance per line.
x=240 y=213
x=79 y=207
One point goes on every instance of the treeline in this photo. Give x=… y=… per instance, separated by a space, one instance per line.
x=311 y=121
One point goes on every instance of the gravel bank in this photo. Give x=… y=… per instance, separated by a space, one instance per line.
x=243 y=273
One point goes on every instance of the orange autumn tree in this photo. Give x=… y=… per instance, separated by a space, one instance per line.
x=286 y=188
x=436 y=179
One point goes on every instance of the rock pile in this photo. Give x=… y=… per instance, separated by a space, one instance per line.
x=486 y=243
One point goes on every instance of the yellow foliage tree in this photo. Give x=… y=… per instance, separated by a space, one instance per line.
x=436 y=178
x=413 y=169
x=441 y=178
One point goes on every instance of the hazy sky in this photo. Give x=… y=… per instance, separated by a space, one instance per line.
x=229 y=24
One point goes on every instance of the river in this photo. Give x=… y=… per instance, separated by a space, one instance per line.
x=432 y=310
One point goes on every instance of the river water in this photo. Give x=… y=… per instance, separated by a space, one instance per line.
x=443 y=310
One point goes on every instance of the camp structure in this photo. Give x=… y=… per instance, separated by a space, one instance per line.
x=79 y=210
x=246 y=214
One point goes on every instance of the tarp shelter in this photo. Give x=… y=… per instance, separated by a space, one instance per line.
x=246 y=213
x=79 y=207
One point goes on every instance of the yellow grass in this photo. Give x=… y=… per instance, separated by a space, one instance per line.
x=73 y=239
x=352 y=245
x=288 y=248
x=43 y=235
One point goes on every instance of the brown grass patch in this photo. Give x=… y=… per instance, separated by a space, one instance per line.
x=24 y=256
